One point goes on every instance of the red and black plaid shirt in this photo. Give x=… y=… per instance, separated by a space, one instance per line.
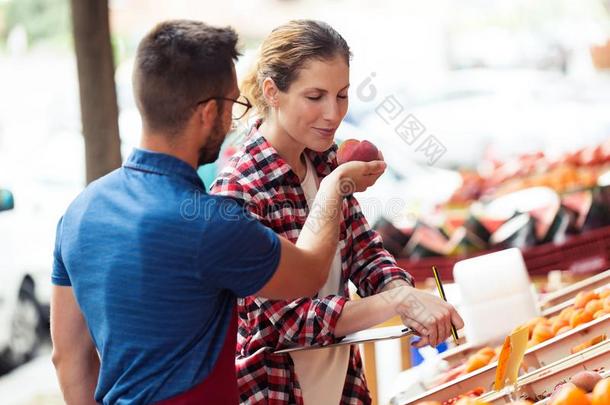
x=266 y=184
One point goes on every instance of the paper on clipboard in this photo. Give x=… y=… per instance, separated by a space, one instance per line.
x=368 y=335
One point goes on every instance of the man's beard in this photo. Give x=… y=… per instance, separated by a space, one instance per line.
x=210 y=151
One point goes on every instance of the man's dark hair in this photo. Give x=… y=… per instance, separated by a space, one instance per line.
x=177 y=64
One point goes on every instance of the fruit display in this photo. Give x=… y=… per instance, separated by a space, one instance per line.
x=562 y=199
x=561 y=356
x=471 y=397
x=354 y=150
x=568 y=381
x=572 y=171
x=588 y=305
x=583 y=388
x=522 y=219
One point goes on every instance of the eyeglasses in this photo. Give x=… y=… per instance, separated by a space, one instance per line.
x=241 y=105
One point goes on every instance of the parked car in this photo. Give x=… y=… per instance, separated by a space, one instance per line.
x=32 y=200
x=24 y=309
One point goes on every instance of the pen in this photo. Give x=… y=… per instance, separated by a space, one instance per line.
x=441 y=292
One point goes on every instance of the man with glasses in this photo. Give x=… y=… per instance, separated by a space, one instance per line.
x=147 y=266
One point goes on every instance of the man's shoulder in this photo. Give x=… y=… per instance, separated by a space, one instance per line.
x=96 y=188
x=219 y=208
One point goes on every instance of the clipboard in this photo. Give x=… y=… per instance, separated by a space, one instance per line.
x=364 y=336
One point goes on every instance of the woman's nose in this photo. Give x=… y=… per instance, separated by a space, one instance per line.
x=331 y=112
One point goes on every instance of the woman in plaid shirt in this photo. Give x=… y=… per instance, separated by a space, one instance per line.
x=299 y=88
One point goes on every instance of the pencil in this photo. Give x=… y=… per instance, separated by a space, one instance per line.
x=441 y=292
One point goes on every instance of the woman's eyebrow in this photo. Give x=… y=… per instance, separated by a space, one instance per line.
x=323 y=90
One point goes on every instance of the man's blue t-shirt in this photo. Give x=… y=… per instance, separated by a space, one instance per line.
x=156 y=264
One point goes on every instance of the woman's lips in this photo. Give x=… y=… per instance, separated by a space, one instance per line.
x=326 y=132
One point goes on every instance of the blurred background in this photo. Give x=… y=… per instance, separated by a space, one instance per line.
x=466 y=99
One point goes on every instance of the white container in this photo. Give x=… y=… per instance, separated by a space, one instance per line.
x=496 y=295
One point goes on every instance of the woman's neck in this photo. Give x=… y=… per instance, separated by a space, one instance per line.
x=289 y=149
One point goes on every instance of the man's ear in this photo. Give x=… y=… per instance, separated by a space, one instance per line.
x=207 y=113
x=270 y=92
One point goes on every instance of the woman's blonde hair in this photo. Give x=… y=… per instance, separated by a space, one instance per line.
x=285 y=51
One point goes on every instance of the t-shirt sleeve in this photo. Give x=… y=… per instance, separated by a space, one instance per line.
x=244 y=253
x=59 y=275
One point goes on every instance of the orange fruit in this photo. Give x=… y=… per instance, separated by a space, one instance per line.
x=559 y=324
x=471 y=401
x=600 y=313
x=579 y=317
x=601 y=393
x=542 y=332
x=477 y=361
x=583 y=297
x=604 y=293
x=594 y=305
x=563 y=330
x=566 y=313
x=487 y=351
x=531 y=324
x=570 y=395
x=607 y=303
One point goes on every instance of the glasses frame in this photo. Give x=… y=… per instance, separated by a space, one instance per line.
x=247 y=104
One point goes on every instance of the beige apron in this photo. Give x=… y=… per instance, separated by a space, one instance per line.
x=321 y=373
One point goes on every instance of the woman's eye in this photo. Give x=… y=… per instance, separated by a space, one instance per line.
x=314 y=98
x=342 y=97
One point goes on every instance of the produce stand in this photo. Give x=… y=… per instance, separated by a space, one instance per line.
x=539 y=384
x=580 y=254
x=536 y=358
x=584 y=344
x=459 y=354
x=552 y=299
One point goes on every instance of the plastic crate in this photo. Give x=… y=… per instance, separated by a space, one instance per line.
x=580 y=254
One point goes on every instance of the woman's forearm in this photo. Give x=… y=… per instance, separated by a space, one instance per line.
x=365 y=313
x=320 y=234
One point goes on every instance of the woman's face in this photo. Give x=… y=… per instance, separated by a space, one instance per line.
x=316 y=102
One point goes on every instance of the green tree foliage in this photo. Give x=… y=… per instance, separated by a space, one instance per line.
x=42 y=19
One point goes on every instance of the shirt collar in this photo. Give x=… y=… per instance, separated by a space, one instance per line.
x=161 y=163
x=275 y=167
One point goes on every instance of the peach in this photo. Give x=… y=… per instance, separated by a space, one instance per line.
x=579 y=317
x=601 y=392
x=558 y=325
x=566 y=313
x=594 y=305
x=542 y=332
x=477 y=361
x=354 y=150
x=583 y=297
x=487 y=351
x=569 y=394
x=586 y=380
x=532 y=323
